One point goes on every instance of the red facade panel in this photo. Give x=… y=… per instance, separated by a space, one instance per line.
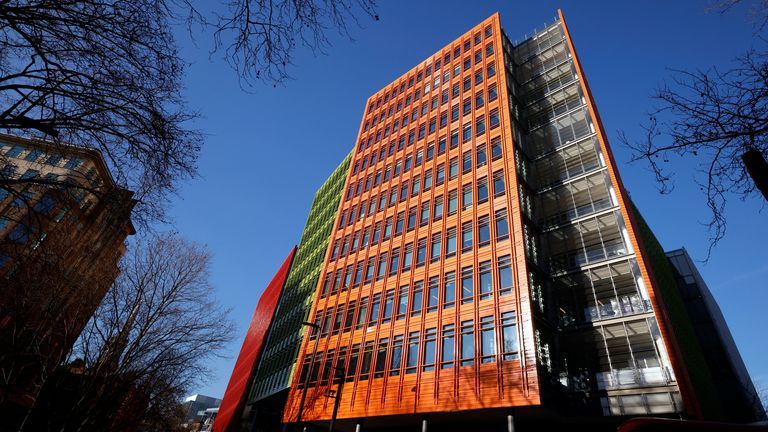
x=247 y=360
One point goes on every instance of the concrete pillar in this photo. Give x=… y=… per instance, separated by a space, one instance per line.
x=424 y=425
x=510 y=423
x=358 y=426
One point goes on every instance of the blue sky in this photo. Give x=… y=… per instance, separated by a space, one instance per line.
x=267 y=151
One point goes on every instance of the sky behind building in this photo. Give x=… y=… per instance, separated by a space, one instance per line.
x=267 y=151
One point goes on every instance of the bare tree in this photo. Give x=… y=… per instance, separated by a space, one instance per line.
x=718 y=120
x=146 y=344
x=107 y=75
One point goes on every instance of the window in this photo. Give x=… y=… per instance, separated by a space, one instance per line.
x=30 y=174
x=467 y=343
x=491 y=70
x=479 y=100
x=411 y=219
x=381 y=358
x=433 y=293
x=428 y=180
x=399 y=223
x=466 y=106
x=482 y=190
x=412 y=358
x=493 y=93
x=502 y=226
x=504 y=265
x=382 y=266
x=449 y=343
x=453 y=169
x=441 y=146
x=403 y=191
x=486 y=280
x=389 y=300
x=436 y=247
x=453 y=202
x=363 y=313
x=394 y=262
x=408 y=257
x=449 y=290
x=450 y=242
x=496 y=148
x=454 y=139
x=14 y=151
x=424 y=217
x=467 y=132
x=467 y=286
x=430 y=346
x=483 y=231
x=481 y=156
x=440 y=175
x=467 y=83
x=370 y=268
x=73 y=163
x=479 y=126
x=478 y=77
x=388 y=228
x=509 y=336
x=438 y=210
x=487 y=340
x=454 y=113
x=350 y=316
x=376 y=233
x=417 y=299
x=416 y=185
x=421 y=252
x=402 y=302
x=375 y=305
x=494 y=118
x=347 y=277
x=498 y=183
x=33 y=155
x=466 y=196
x=478 y=56
x=397 y=356
x=466 y=162
x=365 y=366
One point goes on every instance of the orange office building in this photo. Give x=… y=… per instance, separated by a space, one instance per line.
x=486 y=264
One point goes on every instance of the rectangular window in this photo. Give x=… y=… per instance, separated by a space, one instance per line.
x=430 y=347
x=450 y=242
x=440 y=175
x=438 y=210
x=441 y=145
x=402 y=302
x=393 y=196
x=436 y=247
x=416 y=189
x=375 y=309
x=493 y=93
x=482 y=190
x=421 y=252
x=417 y=299
x=502 y=226
x=365 y=366
x=389 y=301
x=466 y=106
x=509 y=336
x=498 y=183
x=494 y=118
x=449 y=344
x=428 y=180
x=403 y=191
x=433 y=293
x=481 y=157
x=479 y=126
x=467 y=343
x=466 y=132
x=388 y=228
x=486 y=280
x=466 y=162
x=454 y=113
x=382 y=266
x=381 y=358
x=394 y=262
x=399 y=223
x=443 y=120
x=449 y=290
x=349 y=318
x=411 y=219
x=408 y=257
x=424 y=217
x=466 y=196
x=467 y=285
x=453 y=202
x=504 y=265
x=362 y=314
x=454 y=139
x=453 y=169
x=370 y=269
x=397 y=356
x=487 y=340
x=479 y=100
x=412 y=358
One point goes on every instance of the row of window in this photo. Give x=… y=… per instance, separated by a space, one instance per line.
x=436 y=66
x=477 y=101
x=38 y=155
x=462 y=345
x=413 y=300
x=371 y=235
x=417 y=216
x=456 y=90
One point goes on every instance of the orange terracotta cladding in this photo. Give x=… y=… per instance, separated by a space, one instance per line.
x=235 y=395
x=499 y=318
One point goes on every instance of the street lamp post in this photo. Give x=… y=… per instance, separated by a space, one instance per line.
x=337 y=395
x=314 y=328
